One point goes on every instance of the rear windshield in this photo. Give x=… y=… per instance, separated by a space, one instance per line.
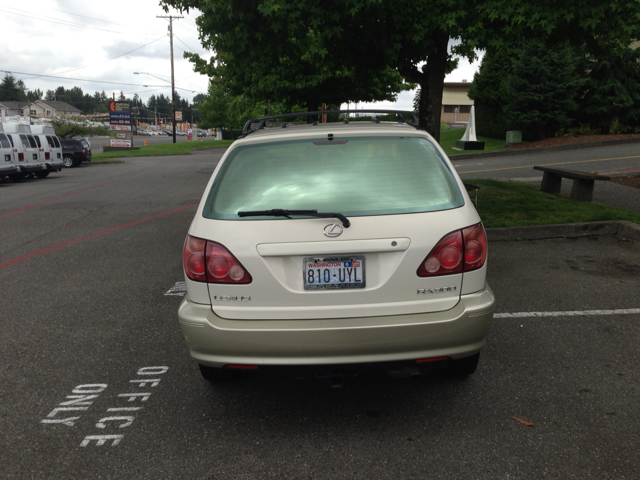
x=56 y=142
x=4 y=141
x=352 y=176
x=50 y=141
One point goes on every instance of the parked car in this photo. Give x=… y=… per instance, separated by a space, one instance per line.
x=75 y=151
x=202 y=133
x=332 y=248
x=146 y=133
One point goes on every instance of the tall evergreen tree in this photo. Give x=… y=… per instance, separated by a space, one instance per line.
x=542 y=89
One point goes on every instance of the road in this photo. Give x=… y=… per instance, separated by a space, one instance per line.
x=96 y=380
x=605 y=160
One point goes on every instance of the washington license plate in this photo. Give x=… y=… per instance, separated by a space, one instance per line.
x=333 y=273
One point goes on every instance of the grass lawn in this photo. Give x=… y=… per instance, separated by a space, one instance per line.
x=448 y=141
x=517 y=204
x=162 y=149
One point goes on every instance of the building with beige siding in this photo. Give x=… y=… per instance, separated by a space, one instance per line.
x=456 y=105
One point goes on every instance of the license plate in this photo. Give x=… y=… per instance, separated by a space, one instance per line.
x=333 y=273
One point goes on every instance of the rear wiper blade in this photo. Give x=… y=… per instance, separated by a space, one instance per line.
x=279 y=212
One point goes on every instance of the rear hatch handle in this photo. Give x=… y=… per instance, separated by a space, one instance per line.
x=278 y=212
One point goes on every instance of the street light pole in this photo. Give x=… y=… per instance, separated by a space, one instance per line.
x=173 y=85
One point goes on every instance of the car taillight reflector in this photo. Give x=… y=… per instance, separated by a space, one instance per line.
x=468 y=244
x=211 y=262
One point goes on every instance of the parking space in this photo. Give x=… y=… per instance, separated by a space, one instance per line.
x=96 y=379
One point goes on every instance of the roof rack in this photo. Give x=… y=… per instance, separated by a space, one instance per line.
x=263 y=120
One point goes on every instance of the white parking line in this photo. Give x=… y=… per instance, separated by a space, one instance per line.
x=178 y=290
x=577 y=313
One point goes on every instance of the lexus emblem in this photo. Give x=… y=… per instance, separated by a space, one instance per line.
x=332 y=230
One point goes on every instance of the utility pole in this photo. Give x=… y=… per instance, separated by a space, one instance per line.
x=173 y=85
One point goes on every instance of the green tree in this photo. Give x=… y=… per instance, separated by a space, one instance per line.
x=33 y=95
x=12 y=89
x=489 y=92
x=290 y=51
x=612 y=91
x=542 y=89
x=351 y=49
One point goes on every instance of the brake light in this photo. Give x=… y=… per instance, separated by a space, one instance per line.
x=460 y=251
x=21 y=157
x=47 y=156
x=193 y=259
x=83 y=151
x=475 y=247
x=211 y=262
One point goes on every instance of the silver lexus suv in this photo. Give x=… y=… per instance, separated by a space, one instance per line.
x=332 y=247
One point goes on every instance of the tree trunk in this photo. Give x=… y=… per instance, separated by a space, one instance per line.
x=431 y=86
x=312 y=106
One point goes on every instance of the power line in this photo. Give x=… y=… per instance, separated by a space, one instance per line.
x=97 y=19
x=60 y=22
x=192 y=49
x=108 y=60
x=83 y=79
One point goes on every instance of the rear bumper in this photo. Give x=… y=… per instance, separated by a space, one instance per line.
x=9 y=169
x=32 y=168
x=55 y=166
x=455 y=333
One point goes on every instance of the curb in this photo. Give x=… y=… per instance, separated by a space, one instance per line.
x=573 y=146
x=621 y=228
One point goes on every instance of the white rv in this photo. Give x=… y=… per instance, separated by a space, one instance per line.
x=25 y=150
x=7 y=166
x=50 y=148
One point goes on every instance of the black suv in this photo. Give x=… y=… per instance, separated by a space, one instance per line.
x=74 y=152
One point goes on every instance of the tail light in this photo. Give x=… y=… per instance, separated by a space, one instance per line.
x=21 y=157
x=460 y=251
x=84 y=151
x=211 y=262
x=47 y=156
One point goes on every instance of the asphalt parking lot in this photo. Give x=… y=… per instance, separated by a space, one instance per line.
x=96 y=380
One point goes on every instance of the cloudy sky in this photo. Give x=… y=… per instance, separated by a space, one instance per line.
x=98 y=45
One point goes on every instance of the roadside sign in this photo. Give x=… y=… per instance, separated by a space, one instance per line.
x=119 y=116
x=117 y=142
x=120 y=107
x=178 y=116
x=121 y=135
x=120 y=128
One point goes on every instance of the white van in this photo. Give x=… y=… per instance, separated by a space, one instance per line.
x=50 y=148
x=25 y=149
x=7 y=166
